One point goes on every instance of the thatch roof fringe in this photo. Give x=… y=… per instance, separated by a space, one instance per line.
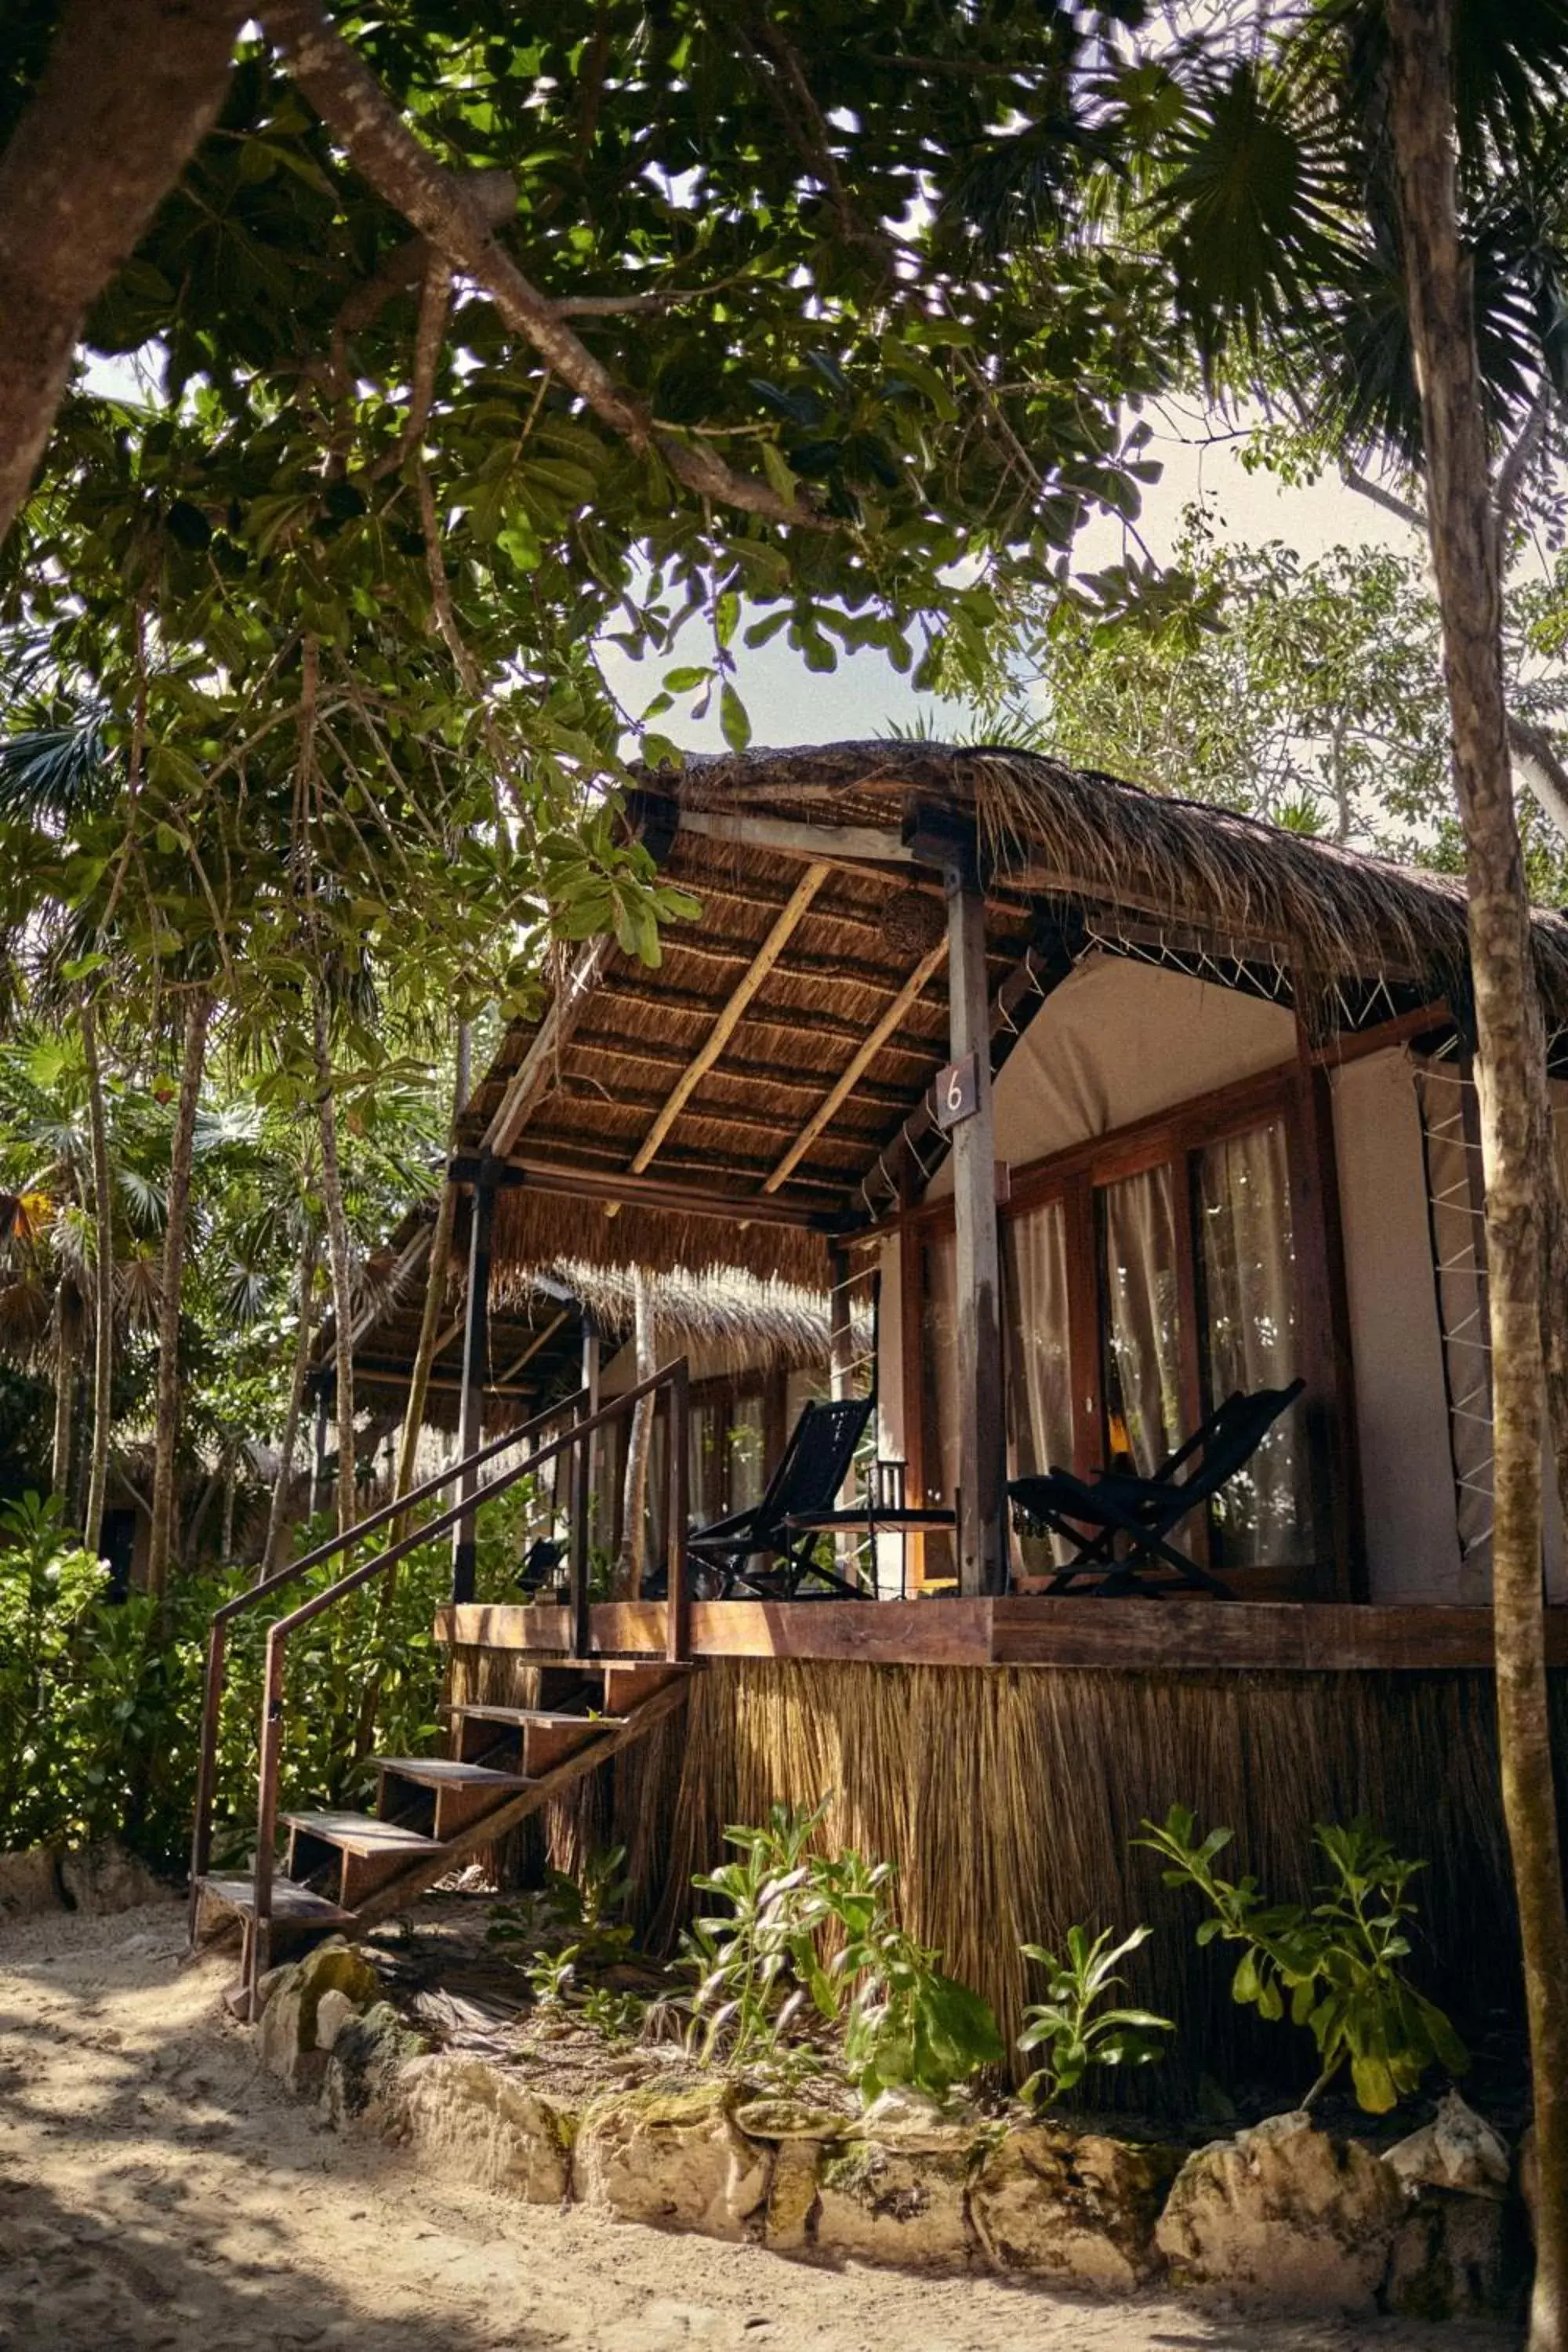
x=1084 y=834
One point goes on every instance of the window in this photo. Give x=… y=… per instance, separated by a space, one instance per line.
x=1145 y=1277
x=1251 y=1336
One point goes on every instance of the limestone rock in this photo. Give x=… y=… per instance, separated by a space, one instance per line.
x=287 y=2030
x=915 y=2122
x=1457 y=2149
x=903 y=2206
x=1456 y=2256
x=789 y=2119
x=334 y=2011
x=366 y=2070
x=29 y=1883
x=1077 y=2209
x=1286 y=2214
x=790 y=2222
x=103 y=1878
x=488 y=2129
x=677 y=2161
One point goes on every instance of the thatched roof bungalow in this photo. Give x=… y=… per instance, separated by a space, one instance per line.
x=1101 y=1105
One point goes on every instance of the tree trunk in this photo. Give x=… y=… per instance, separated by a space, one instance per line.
x=304 y=1290
x=65 y=1391
x=639 y=1449
x=338 y=1257
x=129 y=88
x=166 y=1424
x=435 y=1276
x=1510 y=1070
x=102 y=1285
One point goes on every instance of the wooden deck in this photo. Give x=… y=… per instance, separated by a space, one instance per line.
x=1176 y=1635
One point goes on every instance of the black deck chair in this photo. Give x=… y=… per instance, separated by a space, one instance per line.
x=806 y=1479
x=1121 y=1524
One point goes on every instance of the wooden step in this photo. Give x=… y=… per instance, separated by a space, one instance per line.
x=538 y=1737
x=356 y=1852
x=628 y=1683
x=292 y=1907
x=446 y=1794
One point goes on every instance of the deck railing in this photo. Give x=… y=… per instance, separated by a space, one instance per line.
x=673 y=1379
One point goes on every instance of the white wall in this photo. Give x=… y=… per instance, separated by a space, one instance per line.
x=1118 y=1041
x=1407 y=1481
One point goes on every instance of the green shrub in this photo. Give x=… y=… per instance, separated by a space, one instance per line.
x=808 y=1949
x=1337 y=1959
x=101 y=1701
x=1070 y=2025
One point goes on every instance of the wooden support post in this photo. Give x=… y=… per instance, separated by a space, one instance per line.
x=591 y=1358
x=1329 y=1405
x=678 y=1584
x=476 y=1347
x=981 y=1490
x=840 y=1378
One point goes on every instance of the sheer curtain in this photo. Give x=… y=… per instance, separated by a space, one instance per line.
x=1039 y=1374
x=1252 y=1340
x=1143 y=1358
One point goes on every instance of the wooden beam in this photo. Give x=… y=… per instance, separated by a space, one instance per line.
x=929 y=964
x=982 y=1491
x=532 y=1349
x=536 y=1070
x=832 y=844
x=654 y=1192
x=1170 y=1637
x=724 y=1028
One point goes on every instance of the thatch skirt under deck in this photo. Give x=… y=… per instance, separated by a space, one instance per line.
x=1010 y=1799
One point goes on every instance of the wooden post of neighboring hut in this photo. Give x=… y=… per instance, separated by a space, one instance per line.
x=937 y=839
x=475 y=1348
x=639 y=1444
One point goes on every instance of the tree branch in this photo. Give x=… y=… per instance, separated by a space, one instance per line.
x=379 y=144
x=1391 y=503
x=1520 y=457
x=1537 y=761
x=130 y=88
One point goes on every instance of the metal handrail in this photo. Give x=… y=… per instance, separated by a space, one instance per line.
x=674 y=1377
x=217 y=1632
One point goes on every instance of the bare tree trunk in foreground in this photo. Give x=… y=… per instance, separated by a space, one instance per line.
x=1510 y=1070
x=130 y=88
x=166 y=1424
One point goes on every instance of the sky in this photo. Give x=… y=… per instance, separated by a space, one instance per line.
x=789 y=704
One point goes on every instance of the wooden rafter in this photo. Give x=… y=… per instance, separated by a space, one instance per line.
x=724 y=1028
x=547 y=1332
x=929 y=965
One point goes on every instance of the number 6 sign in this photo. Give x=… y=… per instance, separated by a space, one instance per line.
x=957 y=1092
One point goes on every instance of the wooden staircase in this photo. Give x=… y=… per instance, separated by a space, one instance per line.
x=345 y=1870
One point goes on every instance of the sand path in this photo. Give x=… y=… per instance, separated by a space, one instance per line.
x=155 y=2191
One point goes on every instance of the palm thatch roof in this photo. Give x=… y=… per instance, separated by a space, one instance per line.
x=728 y=1322
x=744 y=1104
